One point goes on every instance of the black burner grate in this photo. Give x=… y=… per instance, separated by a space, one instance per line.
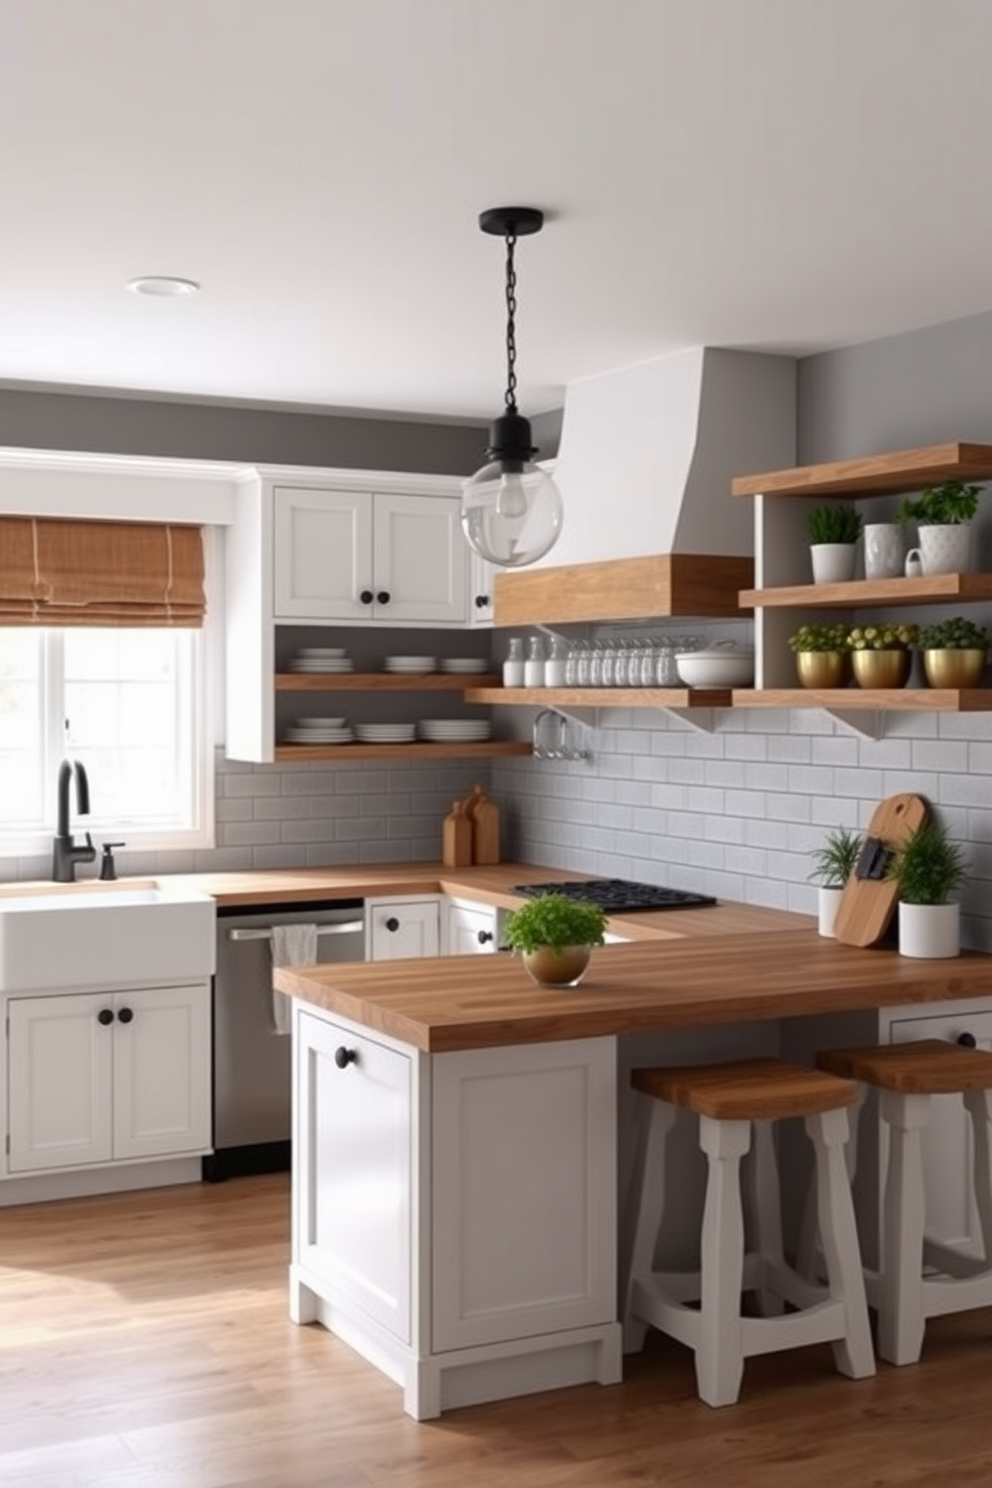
x=618 y=894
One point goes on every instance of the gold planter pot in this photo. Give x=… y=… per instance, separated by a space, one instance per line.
x=551 y=970
x=823 y=669
x=881 y=668
x=954 y=668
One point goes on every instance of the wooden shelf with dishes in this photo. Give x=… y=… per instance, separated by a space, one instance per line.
x=781 y=525
x=603 y=697
x=489 y=749
x=381 y=682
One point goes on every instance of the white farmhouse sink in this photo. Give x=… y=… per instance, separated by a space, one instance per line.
x=90 y=937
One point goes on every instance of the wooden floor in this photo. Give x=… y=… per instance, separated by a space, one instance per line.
x=144 y=1344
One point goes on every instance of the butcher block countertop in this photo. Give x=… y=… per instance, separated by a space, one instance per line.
x=475 y=1002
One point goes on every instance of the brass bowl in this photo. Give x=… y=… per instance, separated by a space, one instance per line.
x=954 y=668
x=881 y=668
x=823 y=669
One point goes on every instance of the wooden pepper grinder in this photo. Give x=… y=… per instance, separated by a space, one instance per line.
x=456 y=837
x=484 y=816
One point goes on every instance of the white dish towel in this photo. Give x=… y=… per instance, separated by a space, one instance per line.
x=292 y=945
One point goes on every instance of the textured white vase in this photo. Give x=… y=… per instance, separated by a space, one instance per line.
x=930 y=931
x=883 y=550
x=833 y=563
x=827 y=904
x=946 y=549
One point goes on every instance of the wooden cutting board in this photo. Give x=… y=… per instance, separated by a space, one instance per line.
x=869 y=898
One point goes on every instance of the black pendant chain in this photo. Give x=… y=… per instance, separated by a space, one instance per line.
x=511 y=331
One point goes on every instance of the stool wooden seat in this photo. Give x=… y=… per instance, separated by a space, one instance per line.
x=918 y=1278
x=730 y=1099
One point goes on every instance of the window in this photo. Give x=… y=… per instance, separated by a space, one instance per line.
x=130 y=704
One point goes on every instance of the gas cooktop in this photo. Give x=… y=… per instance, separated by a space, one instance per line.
x=618 y=895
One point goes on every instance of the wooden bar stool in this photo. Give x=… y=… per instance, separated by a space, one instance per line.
x=728 y=1099
x=918 y=1279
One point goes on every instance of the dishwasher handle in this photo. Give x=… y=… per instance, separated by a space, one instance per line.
x=346 y=927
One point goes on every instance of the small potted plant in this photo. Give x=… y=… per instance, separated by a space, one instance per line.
x=833 y=533
x=833 y=864
x=881 y=655
x=955 y=652
x=554 y=935
x=822 y=655
x=943 y=515
x=927 y=869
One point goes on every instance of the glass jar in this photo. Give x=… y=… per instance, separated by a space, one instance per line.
x=556 y=666
x=534 y=663
x=513 y=666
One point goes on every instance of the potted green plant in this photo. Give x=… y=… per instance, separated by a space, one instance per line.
x=822 y=655
x=943 y=516
x=833 y=863
x=881 y=655
x=955 y=652
x=833 y=533
x=554 y=935
x=928 y=868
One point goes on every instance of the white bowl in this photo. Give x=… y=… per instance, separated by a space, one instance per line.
x=723 y=666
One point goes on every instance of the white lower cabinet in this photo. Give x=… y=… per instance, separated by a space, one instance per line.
x=396 y=928
x=470 y=929
x=101 y=1077
x=454 y=1215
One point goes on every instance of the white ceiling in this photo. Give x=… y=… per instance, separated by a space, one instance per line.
x=785 y=175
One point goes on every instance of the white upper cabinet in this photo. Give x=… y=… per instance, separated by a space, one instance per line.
x=368 y=556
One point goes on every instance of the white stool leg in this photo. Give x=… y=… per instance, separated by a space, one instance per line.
x=761 y=1176
x=853 y=1354
x=978 y=1104
x=719 y=1348
x=645 y=1208
x=901 y=1319
x=808 y=1250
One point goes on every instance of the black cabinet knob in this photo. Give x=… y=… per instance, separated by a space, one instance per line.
x=343 y=1057
x=968 y=1040
x=126 y=1015
x=484 y=937
x=392 y=923
x=105 y=1016
x=366 y=596
x=481 y=601
x=383 y=597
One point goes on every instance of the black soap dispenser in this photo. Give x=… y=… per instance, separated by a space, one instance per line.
x=108 y=868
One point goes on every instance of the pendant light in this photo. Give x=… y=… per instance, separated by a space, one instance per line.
x=511 y=509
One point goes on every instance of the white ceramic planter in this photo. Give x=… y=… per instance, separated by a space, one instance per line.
x=833 y=563
x=883 y=550
x=930 y=931
x=828 y=902
x=946 y=549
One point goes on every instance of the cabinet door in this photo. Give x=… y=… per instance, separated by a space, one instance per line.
x=524 y=1191
x=322 y=551
x=352 y=1170
x=951 y=1217
x=398 y=928
x=471 y=929
x=60 y=1076
x=481 y=593
x=421 y=559
x=162 y=1072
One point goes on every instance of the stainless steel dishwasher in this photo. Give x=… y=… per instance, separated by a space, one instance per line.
x=252 y=1065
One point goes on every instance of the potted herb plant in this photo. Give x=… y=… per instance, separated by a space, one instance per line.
x=881 y=655
x=822 y=655
x=833 y=863
x=554 y=935
x=833 y=533
x=943 y=516
x=928 y=868
x=955 y=652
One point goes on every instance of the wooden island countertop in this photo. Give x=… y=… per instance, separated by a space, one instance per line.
x=476 y=1002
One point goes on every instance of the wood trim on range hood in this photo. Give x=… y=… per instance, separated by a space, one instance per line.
x=658 y=584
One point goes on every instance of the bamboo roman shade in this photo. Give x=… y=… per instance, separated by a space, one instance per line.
x=60 y=572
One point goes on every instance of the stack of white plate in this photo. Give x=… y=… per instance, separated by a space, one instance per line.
x=465 y=664
x=385 y=733
x=409 y=664
x=321 y=659
x=319 y=731
x=455 y=730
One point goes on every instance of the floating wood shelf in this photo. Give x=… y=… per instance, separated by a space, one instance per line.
x=341 y=753
x=874 y=475
x=931 y=589
x=603 y=697
x=848 y=699
x=382 y=682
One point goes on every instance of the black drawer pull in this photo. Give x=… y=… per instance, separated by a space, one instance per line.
x=392 y=923
x=105 y=1016
x=383 y=597
x=366 y=596
x=484 y=937
x=126 y=1015
x=967 y=1040
x=343 y=1057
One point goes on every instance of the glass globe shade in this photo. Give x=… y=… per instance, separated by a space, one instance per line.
x=511 y=513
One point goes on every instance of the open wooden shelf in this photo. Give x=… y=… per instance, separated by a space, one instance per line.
x=603 y=697
x=874 y=475
x=848 y=699
x=489 y=749
x=382 y=681
x=932 y=589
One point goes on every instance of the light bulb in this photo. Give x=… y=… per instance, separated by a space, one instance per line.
x=511 y=513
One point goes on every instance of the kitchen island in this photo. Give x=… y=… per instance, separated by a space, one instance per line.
x=460 y=1134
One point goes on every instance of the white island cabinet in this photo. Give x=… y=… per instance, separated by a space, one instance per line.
x=454 y=1215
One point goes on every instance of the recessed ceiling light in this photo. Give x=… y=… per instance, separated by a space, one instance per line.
x=162 y=285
